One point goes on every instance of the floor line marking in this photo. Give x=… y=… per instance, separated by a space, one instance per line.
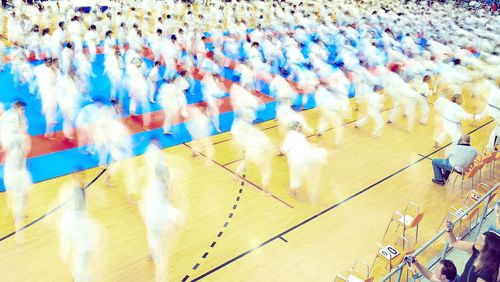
x=242 y=178
x=324 y=211
x=50 y=211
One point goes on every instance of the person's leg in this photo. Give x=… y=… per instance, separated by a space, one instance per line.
x=323 y=122
x=146 y=117
x=167 y=121
x=424 y=108
x=361 y=120
x=456 y=134
x=410 y=107
x=379 y=122
x=442 y=169
x=394 y=112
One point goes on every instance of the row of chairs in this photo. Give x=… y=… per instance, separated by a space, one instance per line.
x=412 y=216
x=482 y=161
x=457 y=210
x=390 y=252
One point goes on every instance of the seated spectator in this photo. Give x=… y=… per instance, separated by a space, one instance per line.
x=484 y=263
x=461 y=155
x=445 y=271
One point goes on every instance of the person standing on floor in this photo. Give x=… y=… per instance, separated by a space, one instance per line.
x=78 y=232
x=452 y=114
x=160 y=218
x=302 y=157
x=374 y=102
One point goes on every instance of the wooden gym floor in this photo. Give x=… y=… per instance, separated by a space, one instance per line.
x=235 y=232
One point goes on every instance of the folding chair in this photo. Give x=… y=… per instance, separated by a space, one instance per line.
x=464 y=174
x=393 y=255
x=408 y=219
x=359 y=272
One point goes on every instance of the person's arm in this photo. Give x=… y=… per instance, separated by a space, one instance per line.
x=448 y=152
x=497 y=210
x=464 y=115
x=459 y=244
x=425 y=272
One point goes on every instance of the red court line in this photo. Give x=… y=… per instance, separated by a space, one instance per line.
x=240 y=177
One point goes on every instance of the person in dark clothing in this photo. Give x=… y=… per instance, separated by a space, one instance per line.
x=484 y=263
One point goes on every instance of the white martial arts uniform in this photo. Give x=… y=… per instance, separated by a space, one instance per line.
x=211 y=92
x=153 y=78
x=301 y=155
x=332 y=107
x=374 y=102
x=78 y=235
x=256 y=147
x=174 y=105
x=199 y=129
x=452 y=115
x=46 y=80
x=160 y=218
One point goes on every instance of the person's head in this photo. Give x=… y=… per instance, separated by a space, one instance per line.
x=48 y=62
x=295 y=125
x=159 y=32
x=488 y=244
x=157 y=64
x=61 y=25
x=19 y=106
x=377 y=88
x=93 y=27
x=465 y=139
x=445 y=270
x=55 y=62
x=457 y=98
x=427 y=78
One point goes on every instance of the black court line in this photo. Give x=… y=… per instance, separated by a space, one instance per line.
x=283 y=239
x=280 y=235
x=425 y=157
x=51 y=211
x=212 y=245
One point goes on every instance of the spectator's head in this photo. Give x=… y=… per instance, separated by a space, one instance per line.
x=488 y=244
x=465 y=139
x=457 y=98
x=446 y=270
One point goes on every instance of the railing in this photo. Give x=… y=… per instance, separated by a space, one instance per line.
x=486 y=198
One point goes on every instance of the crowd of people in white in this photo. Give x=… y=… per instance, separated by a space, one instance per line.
x=327 y=50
